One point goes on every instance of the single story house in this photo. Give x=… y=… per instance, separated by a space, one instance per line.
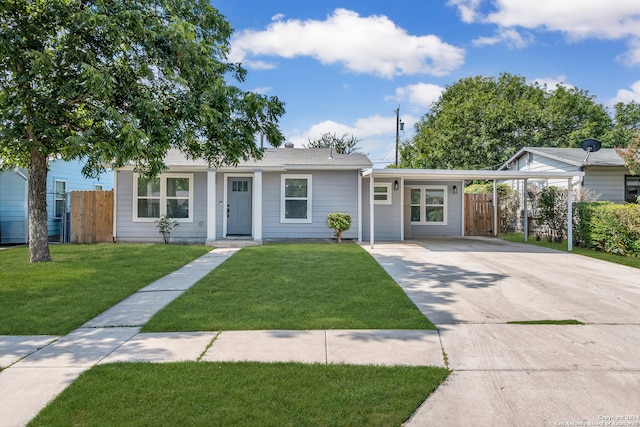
x=605 y=174
x=289 y=193
x=63 y=177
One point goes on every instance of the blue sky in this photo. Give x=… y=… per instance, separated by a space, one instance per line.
x=345 y=66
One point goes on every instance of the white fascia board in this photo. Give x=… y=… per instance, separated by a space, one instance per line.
x=446 y=174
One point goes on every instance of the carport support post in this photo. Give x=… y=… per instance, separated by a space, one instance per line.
x=525 y=200
x=495 y=208
x=570 y=214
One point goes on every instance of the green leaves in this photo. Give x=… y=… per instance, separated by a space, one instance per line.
x=479 y=122
x=118 y=77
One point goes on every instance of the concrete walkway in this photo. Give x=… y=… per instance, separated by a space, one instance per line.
x=38 y=368
x=524 y=375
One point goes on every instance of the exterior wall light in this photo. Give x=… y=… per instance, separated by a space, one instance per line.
x=396 y=186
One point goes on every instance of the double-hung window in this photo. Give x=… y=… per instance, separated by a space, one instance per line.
x=169 y=194
x=295 y=203
x=429 y=205
x=59 y=198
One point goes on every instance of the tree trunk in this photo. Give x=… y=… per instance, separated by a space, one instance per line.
x=38 y=231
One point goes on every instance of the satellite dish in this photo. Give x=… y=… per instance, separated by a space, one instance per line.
x=590 y=145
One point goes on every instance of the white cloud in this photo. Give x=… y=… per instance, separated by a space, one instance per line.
x=553 y=82
x=508 y=36
x=626 y=96
x=262 y=90
x=577 y=19
x=372 y=44
x=420 y=94
x=376 y=135
x=467 y=8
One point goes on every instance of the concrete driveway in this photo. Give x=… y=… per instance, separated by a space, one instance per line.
x=524 y=375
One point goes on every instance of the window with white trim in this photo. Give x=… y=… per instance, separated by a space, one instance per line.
x=632 y=189
x=168 y=194
x=429 y=205
x=59 y=198
x=295 y=203
x=382 y=193
x=97 y=187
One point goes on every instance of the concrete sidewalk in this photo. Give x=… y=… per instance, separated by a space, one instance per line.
x=38 y=368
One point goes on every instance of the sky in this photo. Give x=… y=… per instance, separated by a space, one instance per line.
x=345 y=67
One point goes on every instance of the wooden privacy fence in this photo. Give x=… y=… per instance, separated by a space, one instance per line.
x=92 y=216
x=478 y=215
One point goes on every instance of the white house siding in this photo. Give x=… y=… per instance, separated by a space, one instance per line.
x=187 y=232
x=531 y=162
x=608 y=183
x=387 y=217
x=331 y=192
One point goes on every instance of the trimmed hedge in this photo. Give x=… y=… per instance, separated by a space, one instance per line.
x=608 y=227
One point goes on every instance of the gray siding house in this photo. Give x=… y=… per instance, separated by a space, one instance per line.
x=604 y=172
x=289 y=193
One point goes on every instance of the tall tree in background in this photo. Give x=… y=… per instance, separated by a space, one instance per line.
x=115 y=82
x=346 y=144
x=479 y=122
x=625 y=134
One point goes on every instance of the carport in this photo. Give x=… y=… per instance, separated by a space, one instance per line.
x=451 y=185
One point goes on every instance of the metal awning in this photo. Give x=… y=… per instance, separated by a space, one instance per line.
x=468 y=175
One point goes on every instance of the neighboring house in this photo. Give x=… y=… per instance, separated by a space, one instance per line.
x=289 y=193
x=605 y=174
x=62 y=178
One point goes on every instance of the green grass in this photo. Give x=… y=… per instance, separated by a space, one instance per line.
x=546 y=322
x=293 y=286
x=242 y=394
x=617 y=259
x=81 y=282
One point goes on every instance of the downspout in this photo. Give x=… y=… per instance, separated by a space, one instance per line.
x=371 y=211
x=359 y=175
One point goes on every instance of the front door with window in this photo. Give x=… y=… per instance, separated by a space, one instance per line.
x=239 y=206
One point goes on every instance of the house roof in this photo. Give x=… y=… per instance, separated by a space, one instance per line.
x=281 y=159
x=572 y=156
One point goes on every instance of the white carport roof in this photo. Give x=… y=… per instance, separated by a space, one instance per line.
x=469 y=175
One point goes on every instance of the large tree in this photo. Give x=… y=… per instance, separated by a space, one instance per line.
x=346 y=144
x=479 y=122
x=116 y=82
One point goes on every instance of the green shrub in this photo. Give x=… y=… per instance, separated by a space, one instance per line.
x=608 y=227
x=339 y=223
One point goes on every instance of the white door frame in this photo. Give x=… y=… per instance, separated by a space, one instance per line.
x=225 y=201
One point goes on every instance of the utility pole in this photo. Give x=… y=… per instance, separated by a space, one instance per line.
x=399 y=127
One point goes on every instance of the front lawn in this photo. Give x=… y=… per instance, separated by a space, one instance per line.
x=617 y=259
x=242 y=394
x=81 y=282
x=293 y=286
